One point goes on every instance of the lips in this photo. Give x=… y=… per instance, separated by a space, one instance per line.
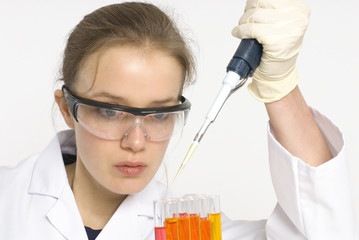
x=131 y=169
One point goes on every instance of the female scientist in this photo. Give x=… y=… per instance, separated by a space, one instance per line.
x=124 y=69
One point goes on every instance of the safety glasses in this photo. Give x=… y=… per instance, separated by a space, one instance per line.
x=114 y=122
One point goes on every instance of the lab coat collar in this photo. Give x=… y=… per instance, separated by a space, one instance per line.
x=123 y=223
x=49 y=179
x=65 y=216
x=49 y=175
x=153 y=191
x=134 y=217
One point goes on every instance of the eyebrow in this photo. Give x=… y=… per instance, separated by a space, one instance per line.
x=123 y=100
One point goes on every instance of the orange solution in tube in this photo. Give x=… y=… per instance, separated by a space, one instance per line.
x=183 y=215
x=216 y=229
x=171 y=225
x=205 y=229
x=183 y=228
x=194 y=227
x=160 y=233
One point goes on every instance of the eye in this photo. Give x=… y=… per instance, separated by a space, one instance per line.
x=160 y=116
x=107 y=112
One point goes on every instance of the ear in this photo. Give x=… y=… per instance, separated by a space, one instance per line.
x=64 y=108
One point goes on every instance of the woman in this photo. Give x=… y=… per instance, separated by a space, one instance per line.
x=124 y=70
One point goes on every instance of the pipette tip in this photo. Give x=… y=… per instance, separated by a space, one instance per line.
x=189 y=154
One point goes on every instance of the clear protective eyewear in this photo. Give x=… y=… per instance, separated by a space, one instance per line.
x=114 y=122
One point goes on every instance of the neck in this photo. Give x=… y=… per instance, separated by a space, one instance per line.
x=96 y=203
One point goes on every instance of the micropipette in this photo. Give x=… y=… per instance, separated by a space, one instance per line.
x=243 y=64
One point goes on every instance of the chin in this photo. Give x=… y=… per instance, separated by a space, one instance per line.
x=129 y=186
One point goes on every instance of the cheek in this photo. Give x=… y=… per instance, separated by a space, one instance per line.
x=90 y=148
x=158 y=150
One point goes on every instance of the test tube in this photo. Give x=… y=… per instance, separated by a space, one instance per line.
x=193 y=211
x=171 y=219
x=159 y=218
x=215 y=217
x=204 y=222
x=183 y=219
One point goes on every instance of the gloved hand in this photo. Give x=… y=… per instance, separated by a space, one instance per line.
x=279 y=25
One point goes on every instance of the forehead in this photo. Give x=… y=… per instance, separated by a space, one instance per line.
x=129 y=72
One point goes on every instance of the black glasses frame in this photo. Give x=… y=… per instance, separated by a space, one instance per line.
x=73 y=101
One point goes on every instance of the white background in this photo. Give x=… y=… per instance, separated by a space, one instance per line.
x=232 y=158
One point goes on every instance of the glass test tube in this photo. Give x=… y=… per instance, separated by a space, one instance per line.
x=215 y=217
x=204 y=222
x=183 y=219
x=193 y=210
x=171 y=219
x=159 y=218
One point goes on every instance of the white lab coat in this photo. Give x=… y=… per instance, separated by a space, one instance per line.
x=36 y=201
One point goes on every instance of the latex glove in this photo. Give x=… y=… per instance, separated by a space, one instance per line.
x=279 y=25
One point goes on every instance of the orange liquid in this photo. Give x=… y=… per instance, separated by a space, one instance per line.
x=183 y=228
x=183 y=215
x=171 y=225
x=216 y=229
x=205 y=229
x=194 y=227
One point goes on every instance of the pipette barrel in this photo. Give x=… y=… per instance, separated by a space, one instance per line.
x=230 y=81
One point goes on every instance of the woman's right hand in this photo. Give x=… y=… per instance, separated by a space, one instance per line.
x=279 y=25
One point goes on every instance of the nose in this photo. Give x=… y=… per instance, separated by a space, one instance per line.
x=135 y=139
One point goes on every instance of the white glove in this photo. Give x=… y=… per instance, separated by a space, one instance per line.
x=279 y=25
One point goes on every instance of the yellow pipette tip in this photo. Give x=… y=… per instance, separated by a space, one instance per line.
x=189 y=154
